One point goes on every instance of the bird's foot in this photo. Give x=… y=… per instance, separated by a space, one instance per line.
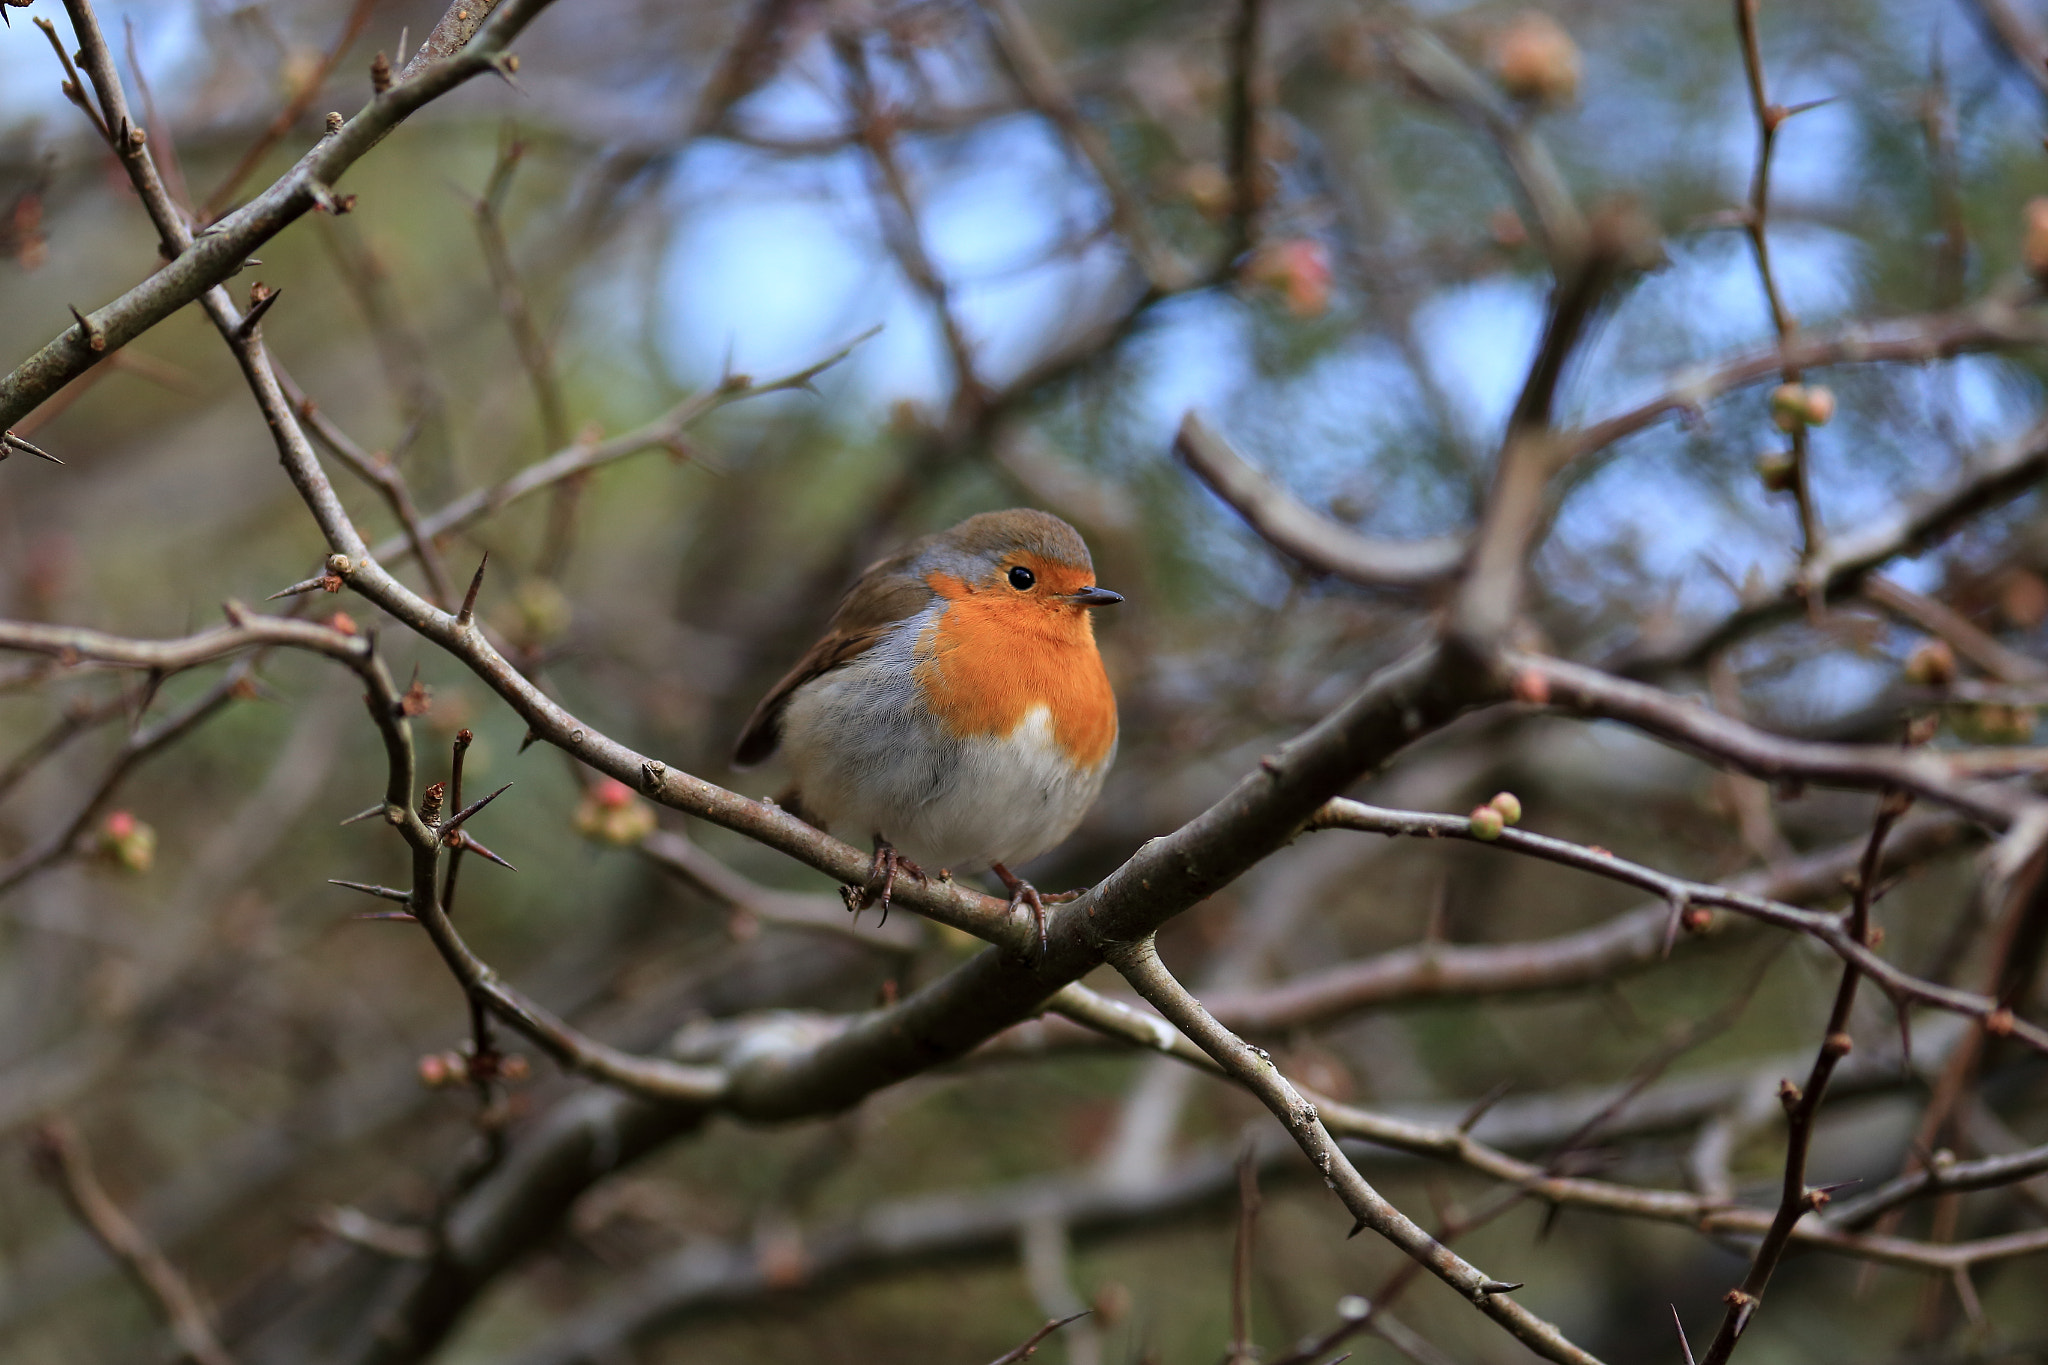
x=1024 y=893
x=881 y=883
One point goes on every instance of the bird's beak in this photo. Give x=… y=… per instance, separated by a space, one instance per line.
x=1095 y=597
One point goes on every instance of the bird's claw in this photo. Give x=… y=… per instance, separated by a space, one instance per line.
x=1024 y=893
x=881 y=883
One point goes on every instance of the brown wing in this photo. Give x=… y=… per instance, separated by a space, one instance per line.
x=878 y=600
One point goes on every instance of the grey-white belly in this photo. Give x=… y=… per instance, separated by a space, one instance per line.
x=870 y=761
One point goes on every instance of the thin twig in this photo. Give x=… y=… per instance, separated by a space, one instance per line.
x=1028 y=1347
x=1140 y=965
x=1802 y=1106
x=1834 y=931
x=1756 y=224
x=62 y=1157
x=295 y=108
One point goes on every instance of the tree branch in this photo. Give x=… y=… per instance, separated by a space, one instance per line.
x=1318 y=543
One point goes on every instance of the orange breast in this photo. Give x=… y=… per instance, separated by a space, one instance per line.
x=990 y=658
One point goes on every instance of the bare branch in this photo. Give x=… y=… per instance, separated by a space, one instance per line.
x=1952 y=779
x=61 y=1154
x=1140 y=965
x=1300 y=532
x=1028 y=1347
x=295 y=108
x=1847 y=559
x=1039 y=78
x=203 y=263
x=1632 y=941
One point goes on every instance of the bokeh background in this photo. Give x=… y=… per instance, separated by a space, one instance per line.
x=242 y=1051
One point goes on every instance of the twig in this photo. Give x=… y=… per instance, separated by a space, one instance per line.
x=1028 y=1347
x=76 y=720
x=1489 y=595
x=74 y=87
x=1939 y=619
x=1450 y=1138
x=1242 y=1351
x=1951 y=779
x=62 y=1157
x=381 y=473
x=1442 y=76
x=897 y=208
x=295 y=108
x=2010 y=471
x=1140 y=965
x=1832 y=930
x=200 y=265
x=2017 y=41
x=1247 y=163
x=1039 y=78
x=69 y=838
x=676 y=853
x=1802 y=1107
x=1320 y=544
x=535 y=355
x=1756 y=223
x=664 y=432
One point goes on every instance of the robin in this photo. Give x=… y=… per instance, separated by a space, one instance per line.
x=956 y=710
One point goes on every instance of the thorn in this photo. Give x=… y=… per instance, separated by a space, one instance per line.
x=9 y=441
x=1479 y=1109
x=472 y=808
x=296 y=589
x=1683 y=1345
x=1790 y=110
x=469 y=842
x=476 y=583
x=261 y=296
x=527 y=743
x=1356 y=1228
x=387 y=893
x=372 y=813
x=506 y=64
x=150 y=685
x=1500 y=1286
x=95 y=339
x=321 y=195
x=1671 y=926
x=405 y=915
x=237 y=614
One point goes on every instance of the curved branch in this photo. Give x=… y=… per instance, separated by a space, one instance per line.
x=1950 y=779
x=1302 y=533
x=1633 y=941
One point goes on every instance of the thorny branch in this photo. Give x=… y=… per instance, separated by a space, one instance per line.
x=1140 y=965
x=203 y=263
x=781 y=1069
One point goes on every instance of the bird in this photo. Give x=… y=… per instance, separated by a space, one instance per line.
x=956 y=711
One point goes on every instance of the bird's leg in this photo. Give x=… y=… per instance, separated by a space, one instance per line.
x=881 y=882
x=1024 y=893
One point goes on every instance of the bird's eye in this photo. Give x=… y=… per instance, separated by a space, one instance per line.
x=1022 y=578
